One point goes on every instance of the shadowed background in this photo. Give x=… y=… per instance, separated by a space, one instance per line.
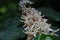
x=10 y=26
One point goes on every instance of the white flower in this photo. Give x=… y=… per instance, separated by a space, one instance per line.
x=27 y=1
x=23 y=3
x=34 y=23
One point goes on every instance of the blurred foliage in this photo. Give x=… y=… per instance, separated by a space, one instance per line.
x=10 y=26
x=46 y=37
x=9 y=29
x=3 y=10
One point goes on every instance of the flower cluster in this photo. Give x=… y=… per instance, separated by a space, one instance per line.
x=23 y=3
x=34 y=23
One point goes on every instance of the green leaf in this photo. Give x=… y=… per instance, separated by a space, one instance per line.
x=46 y=37
x=40 y=37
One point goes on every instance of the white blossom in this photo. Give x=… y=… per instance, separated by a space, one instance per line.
x=33 y=22
x=23 y=3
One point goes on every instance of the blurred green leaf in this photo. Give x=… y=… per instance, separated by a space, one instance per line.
x=40 y=37
x=46 y=37
x=3 y=10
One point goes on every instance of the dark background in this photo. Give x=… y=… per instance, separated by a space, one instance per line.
x=11 y=27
